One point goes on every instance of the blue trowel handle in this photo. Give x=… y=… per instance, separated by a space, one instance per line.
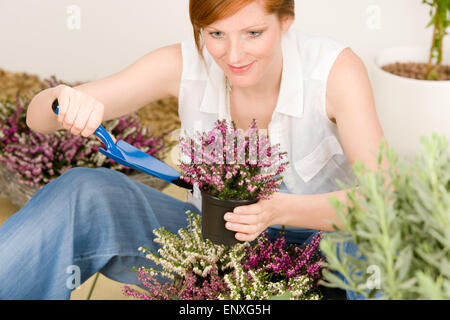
x=100 y=132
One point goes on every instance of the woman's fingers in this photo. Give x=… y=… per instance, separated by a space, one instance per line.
x=246 y=237
x=79 y=112
x=81 y=121
x=241 y=218
x=72 y=112
x=243 y=228
x=63 y=100
x=247 y=227
x=253 y=208
x=93 y=121
x=248 y=224
x=240 y=227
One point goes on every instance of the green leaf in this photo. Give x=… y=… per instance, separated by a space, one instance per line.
x=430 y=288
x=333 y=281
x=403 y=263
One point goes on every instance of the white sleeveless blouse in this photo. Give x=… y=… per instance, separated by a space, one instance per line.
x=299 y=122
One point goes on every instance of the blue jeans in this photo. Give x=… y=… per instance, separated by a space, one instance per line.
x=87 y=221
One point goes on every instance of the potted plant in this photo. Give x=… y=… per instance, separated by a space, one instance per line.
x=402 y=233
x=412 y=86
x=29 y=160
x=194 y=268
x=231 y=169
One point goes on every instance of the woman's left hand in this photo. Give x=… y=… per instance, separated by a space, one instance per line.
x=251 y=220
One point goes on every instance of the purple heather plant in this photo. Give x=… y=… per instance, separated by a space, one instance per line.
x=188 y=288
x=278 y=260
x=38 y=158
x=230 y=165
x=202 y=270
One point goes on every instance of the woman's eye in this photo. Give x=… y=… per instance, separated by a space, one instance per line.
x=216 y=34
x=255 y=34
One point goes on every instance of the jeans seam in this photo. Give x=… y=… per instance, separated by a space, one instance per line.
x=90 y=256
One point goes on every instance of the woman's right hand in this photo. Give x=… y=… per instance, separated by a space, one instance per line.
x=78 y=112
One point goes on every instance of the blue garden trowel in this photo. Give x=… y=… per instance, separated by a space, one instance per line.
x=131 y=157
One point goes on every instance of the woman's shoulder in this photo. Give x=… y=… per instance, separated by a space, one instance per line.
x=194 y=66
x=309 y=42
x=182 y=62
x=169 y=58
x=318 y=53
x=170 y=54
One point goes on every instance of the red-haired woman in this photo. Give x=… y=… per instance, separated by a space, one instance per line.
x=245 y=61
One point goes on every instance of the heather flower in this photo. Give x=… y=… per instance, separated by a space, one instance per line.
x=37 y=159
x=198 y=269
x=187 y=288
x=229 y=165
x=279 y=266
x=283 y=261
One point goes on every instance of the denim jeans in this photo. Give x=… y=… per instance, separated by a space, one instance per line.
x=87 y=221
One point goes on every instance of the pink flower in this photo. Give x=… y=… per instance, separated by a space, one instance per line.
x=38 y=158
x=229 y=165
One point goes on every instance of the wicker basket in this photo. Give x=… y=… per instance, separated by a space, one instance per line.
x=19 y=194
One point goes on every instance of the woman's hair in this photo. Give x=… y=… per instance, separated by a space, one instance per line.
x=206 y=12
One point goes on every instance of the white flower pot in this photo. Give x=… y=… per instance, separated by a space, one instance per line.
x=408 y=108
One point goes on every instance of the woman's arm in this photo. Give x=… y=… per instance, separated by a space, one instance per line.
x=154 y=76
x=351 y=103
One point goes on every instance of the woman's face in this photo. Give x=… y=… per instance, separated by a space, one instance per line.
x=247 y=45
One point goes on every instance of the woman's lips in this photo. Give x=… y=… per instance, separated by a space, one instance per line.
x=240 y=70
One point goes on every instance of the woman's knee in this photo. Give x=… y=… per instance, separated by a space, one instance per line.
x=79 y=190
x=85 y=177
x=82 y=184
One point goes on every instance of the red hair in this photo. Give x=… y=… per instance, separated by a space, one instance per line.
x=205 y=12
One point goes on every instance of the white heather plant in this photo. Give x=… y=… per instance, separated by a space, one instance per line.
x=403 y=234
x=200 y=269
x=178 y=255
x=251 y=285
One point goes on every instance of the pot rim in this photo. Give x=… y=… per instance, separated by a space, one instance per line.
x=246 y=201
x=377 y=66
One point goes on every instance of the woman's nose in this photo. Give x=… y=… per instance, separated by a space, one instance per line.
x=235 y=52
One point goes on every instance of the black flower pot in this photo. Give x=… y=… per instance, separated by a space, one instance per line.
x=213 y=222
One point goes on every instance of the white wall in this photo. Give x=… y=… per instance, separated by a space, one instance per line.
x=35 y=37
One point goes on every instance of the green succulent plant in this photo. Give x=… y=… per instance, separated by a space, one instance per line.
x=402 y=233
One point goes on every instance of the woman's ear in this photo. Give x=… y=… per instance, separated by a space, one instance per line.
x=286 y=23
